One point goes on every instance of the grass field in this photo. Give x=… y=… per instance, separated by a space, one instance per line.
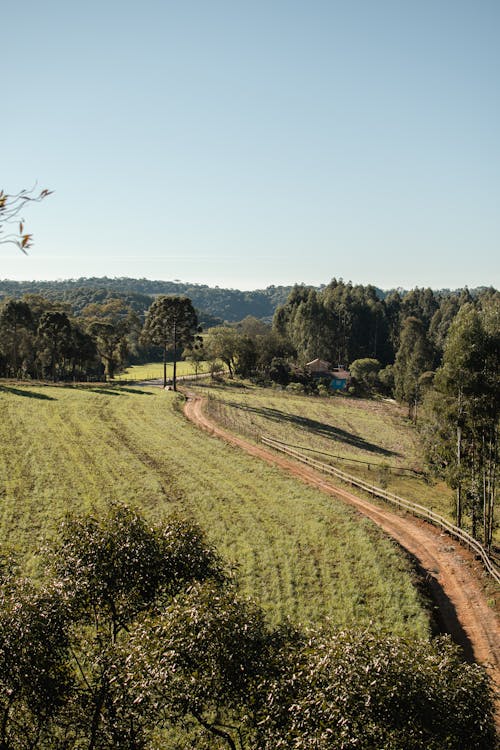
x=299 y=553
x=154 y=370
x=370 y=439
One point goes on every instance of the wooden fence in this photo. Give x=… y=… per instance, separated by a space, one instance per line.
x=418 y=510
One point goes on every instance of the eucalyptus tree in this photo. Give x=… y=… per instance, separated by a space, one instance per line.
x=137 y=640
x=414 y=357
x=16 y=335
x=464 y=412
x=53 y=341
x=112 y=572
x=110 y=343
x=222 y=342
x=172 y=323
x=35 y=674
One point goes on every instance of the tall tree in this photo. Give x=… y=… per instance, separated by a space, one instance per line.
x=172 y=323
x=466 y=410
x=16 y=333
x=54 y=340
x=222 y=342
x=414 y=357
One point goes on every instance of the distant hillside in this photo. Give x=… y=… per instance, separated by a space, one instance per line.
x=214 y=303
x=226 y=304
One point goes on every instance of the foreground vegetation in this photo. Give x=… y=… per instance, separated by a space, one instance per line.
x=298 y=553
x=137 y=640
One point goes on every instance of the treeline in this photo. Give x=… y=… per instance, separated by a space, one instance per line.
x=47 y=339
x=224 y=304
x=135 y=638
x=43 y=339
x=343 y=322
x=437 y=353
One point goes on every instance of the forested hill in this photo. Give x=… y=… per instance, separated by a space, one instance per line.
x=213 y=303
x=226 y=304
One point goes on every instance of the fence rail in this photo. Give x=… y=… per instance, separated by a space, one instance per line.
x=418 y=510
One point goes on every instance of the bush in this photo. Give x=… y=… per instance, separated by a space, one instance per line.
x=296 y=388
x=361 y=691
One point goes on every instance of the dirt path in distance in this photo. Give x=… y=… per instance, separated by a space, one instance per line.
x=450 y=570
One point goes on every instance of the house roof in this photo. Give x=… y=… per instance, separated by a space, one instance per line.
x=319 y=363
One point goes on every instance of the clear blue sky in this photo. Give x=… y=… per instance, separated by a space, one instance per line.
x=253 y=143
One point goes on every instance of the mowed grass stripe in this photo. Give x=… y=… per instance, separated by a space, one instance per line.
x=299 y=553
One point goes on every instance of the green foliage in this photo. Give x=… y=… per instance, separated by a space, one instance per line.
x=464 y=411
x=16 y=337
x=171 y=322
x=339 y=323
x=35 y=676
x=413 y=358
x=54 y=341
x=139 y=633
x=222 y=342
x=354 y=689
x=117 y=564
x=365 y=374
x=216 y=303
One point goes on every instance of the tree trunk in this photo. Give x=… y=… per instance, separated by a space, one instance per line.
x=174 y=379
x=459 y=461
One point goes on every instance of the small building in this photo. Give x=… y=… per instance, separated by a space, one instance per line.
x=319 y=368
x=339 y=377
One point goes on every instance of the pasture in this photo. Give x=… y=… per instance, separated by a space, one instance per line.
x=370 y=439
x=300 y=554
x=154 y=370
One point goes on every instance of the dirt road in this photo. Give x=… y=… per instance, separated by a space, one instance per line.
x=450 y=570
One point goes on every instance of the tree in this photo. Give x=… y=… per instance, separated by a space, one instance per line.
x=464 y=411
x=54 y=340
x=110 y=343
x=16 y=334
x=35 y=676
x=138 y=631
x=171 y=322
x=11 y=206
x=358 y=690
x=414 y=357
x=202 y=660
x=112 y=572
x=365 y=373
x=222 y=342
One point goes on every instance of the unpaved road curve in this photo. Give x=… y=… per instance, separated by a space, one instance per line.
x=450 y=570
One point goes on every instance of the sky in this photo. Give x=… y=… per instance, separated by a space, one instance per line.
x=244 y=144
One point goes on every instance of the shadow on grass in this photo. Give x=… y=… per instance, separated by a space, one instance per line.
x=318 y=428
x=109 y=390
x=27 y=393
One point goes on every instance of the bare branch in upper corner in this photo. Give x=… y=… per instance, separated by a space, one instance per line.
x=11 y=206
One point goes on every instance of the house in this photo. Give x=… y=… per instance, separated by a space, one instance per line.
x=339 y=377
x=319 y=368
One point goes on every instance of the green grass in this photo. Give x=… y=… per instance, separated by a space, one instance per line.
x=366 y=435
x=298 y=552
x=154 y=370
